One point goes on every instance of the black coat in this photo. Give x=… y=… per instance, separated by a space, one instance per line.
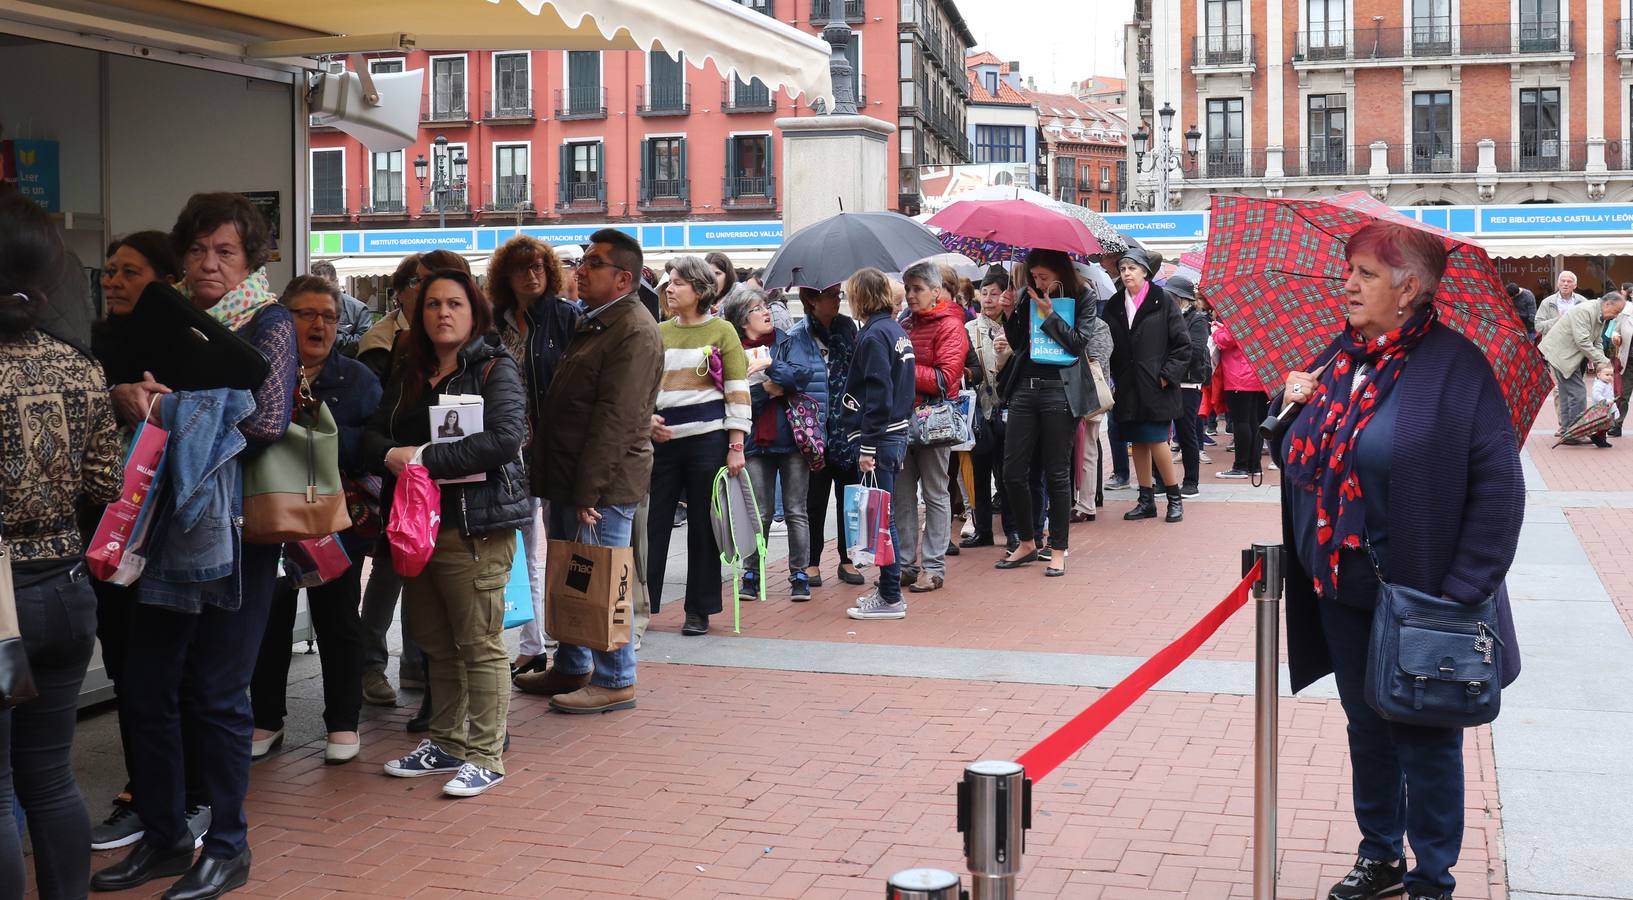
x=499 y=503
x=1200 y=368
x=1077 y=337
x=1149 y=359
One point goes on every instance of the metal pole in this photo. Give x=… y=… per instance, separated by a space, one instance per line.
x=924 y=884
x=994 y=812
x=1267 y=697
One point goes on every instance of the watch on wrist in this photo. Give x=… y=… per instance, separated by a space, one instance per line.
x=737 y=446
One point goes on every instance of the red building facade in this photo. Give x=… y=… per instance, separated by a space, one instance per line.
x=554 y=136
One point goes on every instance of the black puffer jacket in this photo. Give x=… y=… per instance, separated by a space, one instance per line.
x=501 y=501
x=1149 y=358
x=1199 y=325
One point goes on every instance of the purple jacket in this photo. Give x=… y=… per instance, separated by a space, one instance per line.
x=1456 y=498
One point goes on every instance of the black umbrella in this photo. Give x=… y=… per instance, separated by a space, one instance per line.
x=826 y=253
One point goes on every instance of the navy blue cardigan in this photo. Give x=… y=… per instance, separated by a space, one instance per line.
x=1456 y=498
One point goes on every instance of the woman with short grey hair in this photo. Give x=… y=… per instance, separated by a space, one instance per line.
x=778 y=371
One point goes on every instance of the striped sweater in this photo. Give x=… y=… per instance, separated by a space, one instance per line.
x=688 y=399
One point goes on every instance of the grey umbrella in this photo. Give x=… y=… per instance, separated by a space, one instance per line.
x=826 y=253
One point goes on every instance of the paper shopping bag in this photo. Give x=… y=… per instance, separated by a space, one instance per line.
x=114 y=554
x=519 y=589
x=884 y=549
x=856 y=521
x=587 y=602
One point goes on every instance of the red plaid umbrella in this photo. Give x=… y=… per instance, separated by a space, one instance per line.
x=1601 y=416
x=1017 y=223
x=1275 y=270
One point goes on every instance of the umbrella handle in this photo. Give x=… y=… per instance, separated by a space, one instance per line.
x=1273 y=427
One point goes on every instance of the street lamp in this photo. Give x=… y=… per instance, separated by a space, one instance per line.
x=1166 y=159
x=443 y=182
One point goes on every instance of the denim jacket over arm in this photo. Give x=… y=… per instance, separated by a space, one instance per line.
x=194 y=546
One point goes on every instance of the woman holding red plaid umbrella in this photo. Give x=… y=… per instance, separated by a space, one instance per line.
x=1405 y=446
x=1150 y=351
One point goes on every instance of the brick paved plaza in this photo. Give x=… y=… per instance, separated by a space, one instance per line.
x=782 y=764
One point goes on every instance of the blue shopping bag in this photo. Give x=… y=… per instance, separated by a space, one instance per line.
x=518 y=590
x=1046 y=349
x=855 y=516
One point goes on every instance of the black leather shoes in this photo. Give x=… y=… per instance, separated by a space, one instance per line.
x=211 y=877
x=696 y=624
x=144 y=863
x=1031 y=556
x=976 y=540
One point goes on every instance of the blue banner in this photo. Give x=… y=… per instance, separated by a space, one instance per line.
x=419 y=240
x=1166 y=225
x=1556 y=219
x=38 y=176
x=735 y=234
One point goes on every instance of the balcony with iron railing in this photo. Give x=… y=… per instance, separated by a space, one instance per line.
x=660 y=194
x=749 y=191
x=752 y=97
x=581 y=102
x=1224 y=50
x=1624 y=38
x=1432 y=40
x=384 y=206
x=509 y=195
x=503 y=106
x=445 y=107
x=329 y=202
x=1427 y=156
x=582 y=196
x=821 y=10
x=454 y=201
x=653 y=100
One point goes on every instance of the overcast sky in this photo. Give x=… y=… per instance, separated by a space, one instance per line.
x=1057 y=41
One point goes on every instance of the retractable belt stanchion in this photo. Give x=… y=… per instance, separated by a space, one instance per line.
x=924 y=884
x=1267 y=593
x=994 y=812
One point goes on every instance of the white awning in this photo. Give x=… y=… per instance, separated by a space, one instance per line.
x=1562 y=245
x=735 y=37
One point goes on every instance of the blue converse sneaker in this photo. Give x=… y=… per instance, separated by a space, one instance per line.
x=800 y=587
x=427 y=759
x=471 y=780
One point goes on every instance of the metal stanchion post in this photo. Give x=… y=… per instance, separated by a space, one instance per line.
x=924 y=884
x=994 y=812
x=1267 y=695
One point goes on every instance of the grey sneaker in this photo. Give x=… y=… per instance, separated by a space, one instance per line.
x=871 y=606
x=121 y=828
x=377 y=689
x=427 y=759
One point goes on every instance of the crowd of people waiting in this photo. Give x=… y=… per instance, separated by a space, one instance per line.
x=613 y=395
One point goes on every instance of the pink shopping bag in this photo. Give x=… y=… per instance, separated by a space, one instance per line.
x=114 y=554
x=416 y=516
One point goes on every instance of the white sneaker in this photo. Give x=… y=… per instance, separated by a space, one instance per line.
x=870 y=606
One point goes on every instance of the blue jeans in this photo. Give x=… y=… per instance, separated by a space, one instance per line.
x=886 y=465
x=1407 y=779
x=609 y=668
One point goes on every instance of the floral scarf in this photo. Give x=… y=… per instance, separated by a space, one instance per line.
x=240 y=304
x=1321 y=454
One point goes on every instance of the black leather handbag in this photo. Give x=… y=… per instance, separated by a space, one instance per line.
x=16 y=679
x=1433 y=661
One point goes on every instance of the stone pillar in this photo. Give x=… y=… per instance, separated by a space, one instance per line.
x=833 y=164
x=1485 y=170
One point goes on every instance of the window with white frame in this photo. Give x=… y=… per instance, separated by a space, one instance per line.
x=584 y=82
x=386 y=182
x=448 y=88
x=510 y=176
x=329 y=182
x=512 y=84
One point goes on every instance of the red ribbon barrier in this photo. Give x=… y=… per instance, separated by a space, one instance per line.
x=1071 y=737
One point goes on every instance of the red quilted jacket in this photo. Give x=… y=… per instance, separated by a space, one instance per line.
x=940 y=343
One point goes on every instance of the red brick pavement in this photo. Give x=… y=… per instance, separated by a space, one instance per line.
x=729 y=783
x=1601 y=533
x=1129 y=589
